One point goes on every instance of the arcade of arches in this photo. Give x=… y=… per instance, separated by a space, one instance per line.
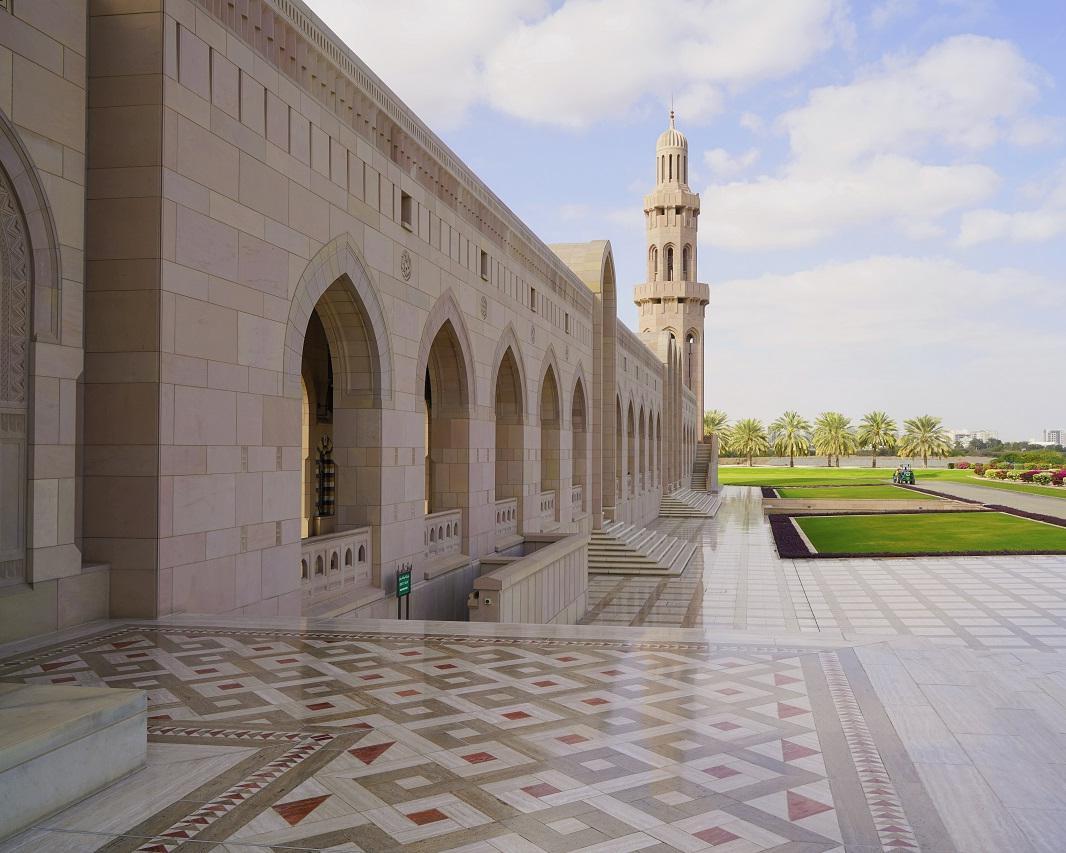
x=289 y=370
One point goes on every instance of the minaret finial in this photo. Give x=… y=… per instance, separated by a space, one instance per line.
x=671 y=109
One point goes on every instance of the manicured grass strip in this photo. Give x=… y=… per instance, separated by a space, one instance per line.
x=932 y=533
x=857 y=493
x=768 y=475
x=1009 y=486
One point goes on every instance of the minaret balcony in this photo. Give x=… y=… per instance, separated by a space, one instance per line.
x=693 y=290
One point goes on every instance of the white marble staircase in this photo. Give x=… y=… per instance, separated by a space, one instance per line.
x=699 y=467
x=687 y=503
x=625 y=549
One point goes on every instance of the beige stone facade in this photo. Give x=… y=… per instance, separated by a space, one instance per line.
x=304 y=317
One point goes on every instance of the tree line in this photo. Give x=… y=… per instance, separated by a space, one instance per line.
x=831 y=435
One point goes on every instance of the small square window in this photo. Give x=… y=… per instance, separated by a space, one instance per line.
x=484 y=265
x=407 y=211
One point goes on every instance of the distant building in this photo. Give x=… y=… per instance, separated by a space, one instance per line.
x=965 y=436
x=1053 y=436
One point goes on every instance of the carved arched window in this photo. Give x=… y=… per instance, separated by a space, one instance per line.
x=686 y=263
x=15 y=274
x=653 y=263
x=669 y=263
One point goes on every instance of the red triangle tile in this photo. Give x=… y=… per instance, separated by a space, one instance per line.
x=296 y=811
x=784 y=711
x=368 y=754
x=791 y=751
x=800 y=806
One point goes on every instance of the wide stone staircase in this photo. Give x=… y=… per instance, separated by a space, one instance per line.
x=625 y=549
x=699 y=467
x=686 y=503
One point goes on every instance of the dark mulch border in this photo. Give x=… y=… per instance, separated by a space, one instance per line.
x=769 y=492
x=790 y=545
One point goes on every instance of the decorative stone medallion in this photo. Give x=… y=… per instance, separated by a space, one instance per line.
x=405 y=265
x=484 y=308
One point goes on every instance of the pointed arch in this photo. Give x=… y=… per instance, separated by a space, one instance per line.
x=446 y=314
x=364 y=346
x=509 y=341
x=551 y=360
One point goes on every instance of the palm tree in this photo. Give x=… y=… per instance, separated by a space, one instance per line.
x=748 y=438
x=924 y=436
x=714 y=423
x=876 y=430
x=833 y=436
x=791 y=435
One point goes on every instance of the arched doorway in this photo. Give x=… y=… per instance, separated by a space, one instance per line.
x=446 y=398
x=580 y=437
x=659 y=446
x=642 y=447
x=550 y=428
x=509 y=476
x=341 y=383
x=16 y=271
x=631 y=450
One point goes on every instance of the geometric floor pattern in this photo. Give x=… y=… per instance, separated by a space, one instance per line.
x=350 y=742
x=736 y=581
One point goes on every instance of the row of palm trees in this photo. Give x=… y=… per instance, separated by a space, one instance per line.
x=832 y=435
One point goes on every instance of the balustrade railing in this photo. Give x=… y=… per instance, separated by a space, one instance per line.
x=577 y=498
x=335 y=561
x=546 y=502
x=444 y=532
x=506 y=517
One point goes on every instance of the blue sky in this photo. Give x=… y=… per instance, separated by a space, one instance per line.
x=883 y=184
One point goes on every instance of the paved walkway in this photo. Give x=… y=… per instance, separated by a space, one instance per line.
x=820 y=706
x=348 y=736
x=736 y=580
x=1025 y=501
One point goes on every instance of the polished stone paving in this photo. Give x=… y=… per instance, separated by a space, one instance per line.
x=736 y=580
x=752 y=704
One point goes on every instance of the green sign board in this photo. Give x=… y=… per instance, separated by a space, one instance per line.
x=403 y=583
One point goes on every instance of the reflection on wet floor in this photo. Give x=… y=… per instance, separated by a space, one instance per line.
x=736 y=580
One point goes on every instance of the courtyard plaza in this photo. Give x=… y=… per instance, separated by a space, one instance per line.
x=751 y=704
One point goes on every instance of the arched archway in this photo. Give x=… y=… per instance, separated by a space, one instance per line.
x=659 y=448
x=446 y=396
x=631 y=450
x=642 y=449
x=580 y=438
x=619 y=446
x=509 y=410
x=550 y=429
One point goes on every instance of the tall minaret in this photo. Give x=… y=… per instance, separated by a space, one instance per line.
x=672 y=299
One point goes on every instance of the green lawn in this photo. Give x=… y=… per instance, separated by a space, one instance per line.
x=932 y=533
x=741 y=475
x=857 y=492
x=766 y=475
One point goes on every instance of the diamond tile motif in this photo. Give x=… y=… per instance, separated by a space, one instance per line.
x=540 y=742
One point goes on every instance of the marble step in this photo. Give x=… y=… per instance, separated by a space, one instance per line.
x=59 y=744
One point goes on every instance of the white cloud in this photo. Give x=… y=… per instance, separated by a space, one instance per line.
x=585 y=60
x=1044 y=222
x=966 y=92
x=752 y=122
x=900 y=333
x=724 y=165
x=803 y=209
x=860 y=153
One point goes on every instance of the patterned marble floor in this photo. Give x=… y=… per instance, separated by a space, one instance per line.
x=320 y=740
x=736 y=580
